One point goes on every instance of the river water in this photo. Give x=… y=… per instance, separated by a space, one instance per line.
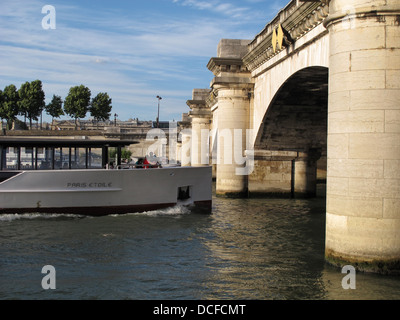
x=258 y=249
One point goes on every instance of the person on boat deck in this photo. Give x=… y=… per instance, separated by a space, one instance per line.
x=110 y=166
x=146 y=163
x=139 y=163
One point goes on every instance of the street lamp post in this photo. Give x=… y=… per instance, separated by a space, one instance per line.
x=158 y=114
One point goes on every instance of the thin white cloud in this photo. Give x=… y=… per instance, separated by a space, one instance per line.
x=227 y=9
x=201 y=5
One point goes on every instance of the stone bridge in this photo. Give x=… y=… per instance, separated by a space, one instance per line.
x=317 y=88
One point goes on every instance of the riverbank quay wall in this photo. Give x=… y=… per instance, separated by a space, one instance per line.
x=320 y=83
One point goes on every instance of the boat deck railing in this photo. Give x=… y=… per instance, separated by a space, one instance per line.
x=138 y=166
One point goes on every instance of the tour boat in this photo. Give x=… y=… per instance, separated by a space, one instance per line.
x=72 y=176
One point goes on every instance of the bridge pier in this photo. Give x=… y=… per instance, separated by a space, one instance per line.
x=185 y=145
x=232 y=88
x=272 y=173
x=284 y=174
x=201 y=123
x=232 y=124
x=304 y=174
x=363 y=178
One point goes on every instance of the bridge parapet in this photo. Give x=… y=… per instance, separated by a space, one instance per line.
x=291 y=23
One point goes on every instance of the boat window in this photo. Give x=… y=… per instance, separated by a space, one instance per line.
x=79 y=159
x=58 y=158
x=184 y=193
x=74 y=155
x=27 y=159
x=113 y=156
x=11 y=158
x=95 y=158
x=46 y=160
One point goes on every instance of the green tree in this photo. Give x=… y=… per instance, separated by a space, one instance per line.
x=1 y=106
x=38 y=101
x=77 y=102
x=100 y=108
x=31 y=100
x=9 y=105
x=125 y=153
x=54 y=108
x=23 y=103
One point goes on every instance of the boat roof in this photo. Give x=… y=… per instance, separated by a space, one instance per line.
x=63 y=143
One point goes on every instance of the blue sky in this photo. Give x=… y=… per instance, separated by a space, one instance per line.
x=133 y=50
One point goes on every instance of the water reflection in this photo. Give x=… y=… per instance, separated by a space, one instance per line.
x=274 y=249
x=266 y=249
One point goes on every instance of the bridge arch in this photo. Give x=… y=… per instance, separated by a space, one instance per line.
x=296 y=119
x=292 y=137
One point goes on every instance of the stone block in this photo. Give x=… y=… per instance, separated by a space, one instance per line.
x=270 y=177
x=392 y=121
x=393 y=79
x=337 y=186
x=358 y=207
x=392 y=2
x=233 y=48
x=391 y=209
x=392 y=169
x=357 y=121
x=371 y=229
x=356 y=168
x=340 y=6
x=200 y=94
x=341 y=61
x=392 y=59
x=375 y=99
x=366 y=239
x=338 y=146
x=336 y=222
x=358 y=80
x=339 y=101
x=385 y=146
x=270 y=187
x=365 y=38
x=392 y=37
x=373 y=188
x=378 y=59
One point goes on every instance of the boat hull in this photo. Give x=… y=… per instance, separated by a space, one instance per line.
x=105 y=192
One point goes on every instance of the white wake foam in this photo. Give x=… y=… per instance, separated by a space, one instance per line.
x=177 y=210
x=33 y=216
